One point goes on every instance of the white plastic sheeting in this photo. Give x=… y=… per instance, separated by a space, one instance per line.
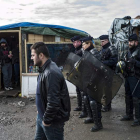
x=119 y=33
x=29 y=83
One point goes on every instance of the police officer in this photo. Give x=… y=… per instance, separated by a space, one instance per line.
x=93 y=107
x=109 y=57
x=132 y=78
x=81 y=107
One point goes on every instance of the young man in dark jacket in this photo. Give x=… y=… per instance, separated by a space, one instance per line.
x=5 y=60
x=52 y=96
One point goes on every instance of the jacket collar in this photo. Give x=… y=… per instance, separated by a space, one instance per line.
x=78 y=48
x=89 y=48
x=133 y=49
x=106 y=45
x=41 y=69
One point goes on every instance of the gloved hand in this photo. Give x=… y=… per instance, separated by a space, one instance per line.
x=61 y=68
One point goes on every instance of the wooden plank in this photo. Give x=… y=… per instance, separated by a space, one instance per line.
x=26 y=63
x=30 y=74
x=62 y=39
x=35 y=38
x=10 y=93
x=20 y=57
x=31 y=38
x=48 y=38
x=1 y=31
x=67 y=40
x=31 y=42
x=38 y=38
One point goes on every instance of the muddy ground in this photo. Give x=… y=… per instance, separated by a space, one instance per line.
x=18 y=120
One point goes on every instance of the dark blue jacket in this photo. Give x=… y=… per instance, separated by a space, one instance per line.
x=133 y=69
x=109 y=55
x=78 y=50
x=4 y=53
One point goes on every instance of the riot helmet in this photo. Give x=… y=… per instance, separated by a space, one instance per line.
x=120 y=67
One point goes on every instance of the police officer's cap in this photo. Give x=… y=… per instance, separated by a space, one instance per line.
x=75 y=38
x=133 y=37
x=103 y=37
x=84 y=39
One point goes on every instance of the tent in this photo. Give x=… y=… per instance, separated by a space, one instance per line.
x=44 y=29
x=25 y=34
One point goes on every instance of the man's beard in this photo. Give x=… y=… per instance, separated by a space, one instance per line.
x=38 y=63
x=132 y=46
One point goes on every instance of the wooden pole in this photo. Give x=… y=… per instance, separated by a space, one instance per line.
x=26 y=63
x=20 y=57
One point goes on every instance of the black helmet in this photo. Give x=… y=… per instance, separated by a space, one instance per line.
x=120 y=67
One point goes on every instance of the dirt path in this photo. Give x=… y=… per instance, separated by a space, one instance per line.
x=18 y=116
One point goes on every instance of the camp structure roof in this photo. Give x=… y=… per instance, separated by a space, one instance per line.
x=45 y=29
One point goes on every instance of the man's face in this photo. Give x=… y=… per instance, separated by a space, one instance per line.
x=76 y=43
x=104 y=42
x=37 y=61
x=3 y=44
x=85 y=46
x=132 y=44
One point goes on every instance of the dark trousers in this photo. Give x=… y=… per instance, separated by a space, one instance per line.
x=16 y=70
x=7 y=74
x=52 y=132
x=130 y=83
x=99 y=106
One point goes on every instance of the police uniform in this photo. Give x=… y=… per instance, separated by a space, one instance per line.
x=109 y=57
x=78 y=91
x=132 y=84
x=78 y=49
x=92 y=106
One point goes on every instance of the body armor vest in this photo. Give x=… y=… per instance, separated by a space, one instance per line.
x=133 y=69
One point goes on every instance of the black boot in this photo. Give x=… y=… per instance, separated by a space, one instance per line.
x=89 y=118
x=79 y=100
x=129 y=109
x=106 y=108
x=84 y=112
x=96 y=111
x=136 y=103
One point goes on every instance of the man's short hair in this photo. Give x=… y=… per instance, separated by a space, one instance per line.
x=40 y=47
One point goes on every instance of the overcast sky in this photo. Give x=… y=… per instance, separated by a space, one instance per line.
x=92 y=16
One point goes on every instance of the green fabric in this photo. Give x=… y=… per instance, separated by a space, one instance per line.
x=66 y=33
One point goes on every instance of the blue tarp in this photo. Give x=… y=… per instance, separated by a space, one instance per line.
x=29 y=24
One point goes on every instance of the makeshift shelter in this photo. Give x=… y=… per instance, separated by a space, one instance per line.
x=120 y=30
x=25 y=34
